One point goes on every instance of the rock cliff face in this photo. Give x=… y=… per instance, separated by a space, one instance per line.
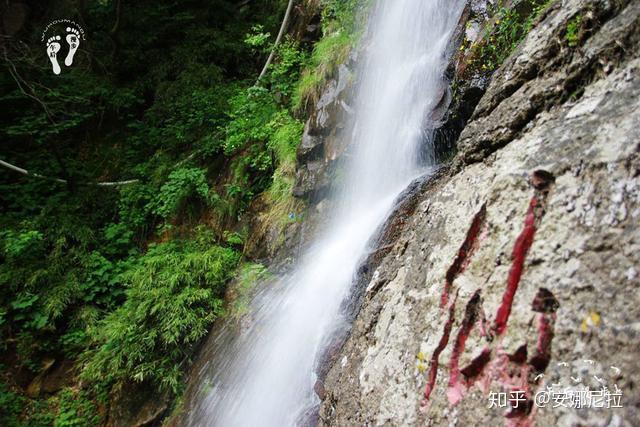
x=320 y=146
x=518 y=267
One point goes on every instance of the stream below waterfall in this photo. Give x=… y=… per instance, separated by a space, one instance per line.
x=264 y=374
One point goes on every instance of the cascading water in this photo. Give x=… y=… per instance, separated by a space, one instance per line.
x=265 y=376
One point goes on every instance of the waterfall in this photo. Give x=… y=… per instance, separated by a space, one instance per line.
x=264 y=376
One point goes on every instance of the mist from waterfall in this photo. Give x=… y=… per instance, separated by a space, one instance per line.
x=265 y=374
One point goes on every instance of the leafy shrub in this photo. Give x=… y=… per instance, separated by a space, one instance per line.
x=16 y=244
x=251 y=110
x=285 y=70
x=257 y=38
x=285 y=139
x=135 y=207
x=233 y=238
x=183 y=184
x=75 y=409
x=10 y=406
x=174 y=294
x=41 y=412
x=102 y=283
x=283 y=144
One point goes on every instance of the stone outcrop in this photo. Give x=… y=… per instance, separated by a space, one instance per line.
x=518 y=267
x=468 y=83
x=321 y=145
x=136 y=405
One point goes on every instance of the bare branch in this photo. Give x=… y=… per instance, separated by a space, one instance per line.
x=64 y=181
x=20 y=82
x=283 y=27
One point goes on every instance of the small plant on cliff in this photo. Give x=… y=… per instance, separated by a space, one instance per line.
x=573 y=31
x=249 y=275
x=510 y=26
x=340 y=21
x=279 y=195
x=327 y=55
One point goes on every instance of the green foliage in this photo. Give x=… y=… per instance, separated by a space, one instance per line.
x=331 y=51
x=341 y=15
x=265 y=134
x=174 y=293
x=251 y=111
x=511 y=25
x=284 y=72
x=257 y=38
x=68 y=408
x=249 y=275
x=183 y=185
x=19 y=243
x=76 y=409
x=135 y=206
x=287 y=133
x=42 y=412
x=573 y=31
x=341 y=20
x=167 y=99
x=233 y=238
x=279 y=196
x=101 y=284
x=11 y=405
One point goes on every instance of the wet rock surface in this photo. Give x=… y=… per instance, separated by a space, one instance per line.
x=468 y=83
x=136 y=405
x=321 y=144
x=518 y=267
x=56 y=375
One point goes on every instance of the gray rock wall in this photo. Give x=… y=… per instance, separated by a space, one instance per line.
x=523 y=260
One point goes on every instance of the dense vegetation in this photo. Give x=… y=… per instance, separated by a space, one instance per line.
x=123 y=281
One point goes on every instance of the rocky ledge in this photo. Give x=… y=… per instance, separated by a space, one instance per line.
x=518 y=269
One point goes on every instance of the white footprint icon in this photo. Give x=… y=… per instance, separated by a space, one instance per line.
x=53 y=47
x=73 y=39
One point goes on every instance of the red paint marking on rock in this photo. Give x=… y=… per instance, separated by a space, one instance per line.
x=518 y=257
x=474 y=369
x=461 y=262
x=546 y=304
x=456 y=387
x=444 y=340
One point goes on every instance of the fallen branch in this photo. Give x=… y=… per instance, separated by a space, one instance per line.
x=64 y=181
x=283 y=27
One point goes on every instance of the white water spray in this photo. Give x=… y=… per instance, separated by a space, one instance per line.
x=265 y=376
